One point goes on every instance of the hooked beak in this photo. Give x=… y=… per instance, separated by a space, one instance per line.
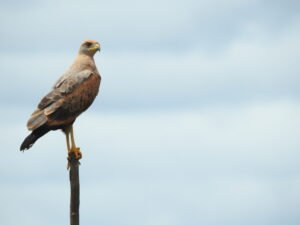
x=98 y=48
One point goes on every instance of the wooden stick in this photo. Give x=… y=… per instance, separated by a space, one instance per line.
x=75 y=189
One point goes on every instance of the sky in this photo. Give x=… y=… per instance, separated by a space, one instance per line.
x=197 y=119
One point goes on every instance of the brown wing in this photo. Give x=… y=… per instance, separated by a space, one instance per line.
x=62 y=102
x=76 y=102
x=64 y=86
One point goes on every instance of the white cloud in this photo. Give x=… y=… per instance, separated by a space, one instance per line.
x=161 y=167
x=252 y=68
x=135 y=25
x=220 y=143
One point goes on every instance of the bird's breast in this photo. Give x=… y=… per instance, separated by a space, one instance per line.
x=84 y=95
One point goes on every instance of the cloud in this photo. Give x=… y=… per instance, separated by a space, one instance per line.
x=138 y=26
x=239 y=163
x=250 y=69
x=196 y=121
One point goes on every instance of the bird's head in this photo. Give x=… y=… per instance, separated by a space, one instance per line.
x=89 y=47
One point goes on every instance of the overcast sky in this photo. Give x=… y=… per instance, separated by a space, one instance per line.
x=197 y=120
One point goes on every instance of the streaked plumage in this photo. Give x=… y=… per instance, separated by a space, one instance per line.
x=71 y=95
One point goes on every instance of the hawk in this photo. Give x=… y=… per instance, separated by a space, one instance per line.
x=71 y=95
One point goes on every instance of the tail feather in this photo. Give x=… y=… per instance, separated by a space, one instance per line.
x=31 y=138
x=36 y=120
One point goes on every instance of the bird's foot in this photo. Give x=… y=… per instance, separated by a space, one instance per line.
x=77 y=152
x=73 y=154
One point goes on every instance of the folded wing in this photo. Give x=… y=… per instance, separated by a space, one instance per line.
x=56 y=104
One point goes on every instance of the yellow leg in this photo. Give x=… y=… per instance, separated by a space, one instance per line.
x=74 y=149
x=67 y=132
x=72 y=137
x=67 y=139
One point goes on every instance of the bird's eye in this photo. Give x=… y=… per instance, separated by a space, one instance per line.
x=88 y=44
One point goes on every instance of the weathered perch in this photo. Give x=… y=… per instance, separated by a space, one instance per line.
x=75 y=189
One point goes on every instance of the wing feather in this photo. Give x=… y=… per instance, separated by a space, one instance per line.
x=54 y=100
x=53 y=107
x=72 y=82
x=64 y=87
x=36 y=120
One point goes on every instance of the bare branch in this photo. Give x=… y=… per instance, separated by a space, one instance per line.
x=75 y=189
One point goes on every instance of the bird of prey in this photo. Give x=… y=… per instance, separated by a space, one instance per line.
x=71 y=95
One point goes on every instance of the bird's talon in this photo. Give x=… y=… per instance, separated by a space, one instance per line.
x=77 y=153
